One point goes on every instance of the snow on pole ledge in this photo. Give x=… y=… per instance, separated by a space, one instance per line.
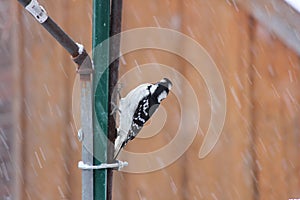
x=80 y=48
x=37 y=11
x=294 y=3
x=119 y=165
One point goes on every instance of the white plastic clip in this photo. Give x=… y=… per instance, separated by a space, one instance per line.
x=119 y=165
x=37 y=11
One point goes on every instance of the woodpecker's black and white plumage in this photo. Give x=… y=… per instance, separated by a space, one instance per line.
x=137 y=108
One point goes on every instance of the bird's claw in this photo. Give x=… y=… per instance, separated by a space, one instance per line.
x=119 y=87
x=115 y=108
x=116 y=94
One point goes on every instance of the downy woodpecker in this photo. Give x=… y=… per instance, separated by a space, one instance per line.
x=137 y=108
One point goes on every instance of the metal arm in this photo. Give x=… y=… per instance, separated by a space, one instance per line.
x=80 y=56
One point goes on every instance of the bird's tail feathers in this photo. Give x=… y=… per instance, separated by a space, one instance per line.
x=117 y=153
x=119 y=144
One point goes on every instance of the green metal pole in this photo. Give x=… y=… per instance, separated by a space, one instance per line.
x=101 y=14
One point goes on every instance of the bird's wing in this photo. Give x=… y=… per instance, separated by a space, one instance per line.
x=140 y=117
x=128 y=106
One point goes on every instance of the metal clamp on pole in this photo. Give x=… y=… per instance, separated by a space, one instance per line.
x=84 y=62
x=118 y=165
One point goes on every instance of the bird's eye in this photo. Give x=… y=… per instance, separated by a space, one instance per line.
x=160 y=100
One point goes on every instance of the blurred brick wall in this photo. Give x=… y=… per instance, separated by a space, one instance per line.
x=6 y=99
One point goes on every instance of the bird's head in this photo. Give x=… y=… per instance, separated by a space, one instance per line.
x=165 y=83
x=162 y=89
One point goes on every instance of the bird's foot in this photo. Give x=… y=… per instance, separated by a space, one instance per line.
x=115 y=98
x=115 y=109
x=116 y=95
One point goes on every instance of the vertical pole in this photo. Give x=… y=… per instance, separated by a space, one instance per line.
x=101 y=13
x=115 y=28
x=87 y=138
